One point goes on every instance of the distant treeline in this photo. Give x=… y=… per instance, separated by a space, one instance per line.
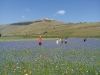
x=22 y=23
x=27 y=23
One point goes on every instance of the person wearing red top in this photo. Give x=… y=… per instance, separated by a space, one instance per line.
x=40 y=41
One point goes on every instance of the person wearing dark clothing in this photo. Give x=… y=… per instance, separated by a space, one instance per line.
x=84 y=39
x=62 y=40
x=65 y=40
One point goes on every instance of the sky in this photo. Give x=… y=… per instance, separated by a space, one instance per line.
x=12 y=11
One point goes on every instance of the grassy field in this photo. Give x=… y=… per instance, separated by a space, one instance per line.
x=10 y=39
x=25 y=57
x=52 y=29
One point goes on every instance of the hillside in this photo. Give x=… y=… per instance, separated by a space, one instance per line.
x=51 y=28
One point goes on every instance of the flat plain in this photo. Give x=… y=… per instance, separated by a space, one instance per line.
x=25 y=57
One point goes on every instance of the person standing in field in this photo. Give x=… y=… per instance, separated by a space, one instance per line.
x=40 y=41
x=62 y=40
x=65 y=40
x=84 y=39
x=57 y=41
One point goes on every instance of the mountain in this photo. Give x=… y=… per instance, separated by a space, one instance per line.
x=51 y=28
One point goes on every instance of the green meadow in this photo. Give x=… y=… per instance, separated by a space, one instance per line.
x=26 y=57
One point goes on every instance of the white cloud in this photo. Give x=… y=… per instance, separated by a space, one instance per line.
x=23 y=17
x=54 y=14
x=27 y=10
x=61 y=12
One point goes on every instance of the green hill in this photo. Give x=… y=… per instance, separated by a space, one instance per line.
x=51 y=28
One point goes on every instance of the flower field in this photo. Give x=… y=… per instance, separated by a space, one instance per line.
x=26 y=57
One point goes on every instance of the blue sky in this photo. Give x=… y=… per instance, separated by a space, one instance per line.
x=12 y=11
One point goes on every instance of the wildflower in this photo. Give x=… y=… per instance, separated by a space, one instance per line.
x=66 y=72
x=25 y=70
x=17 y=67
x=30 y=71
x=96 y=72
x=96 y=62
x=40 y=56
x=35 y=65
x=26 y=61
x=14 y=69
x=76 y=68
x=22 y=67
x=56 y=68
x=26 y=74
x=67 y=67
x=86 y=71
x=80 y=68
x=52 y=69
x=45 y=56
